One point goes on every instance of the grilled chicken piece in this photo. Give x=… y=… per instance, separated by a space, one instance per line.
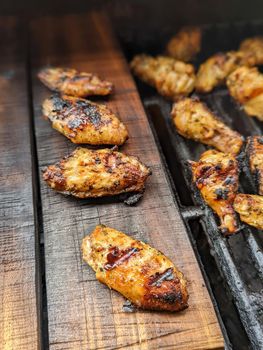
x=253 y=46
x=96 y=173
x=214 y=70
x=172 y=79
x=250 y=209
x=83 y=121
x=71 y=82
x=195 y=121
x=216 y=177
x=185 y=44
x=254 y=152
x=246 y=86
x=139 y=272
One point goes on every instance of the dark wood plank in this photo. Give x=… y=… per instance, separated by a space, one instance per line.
x=83 y=314
x=18 y=306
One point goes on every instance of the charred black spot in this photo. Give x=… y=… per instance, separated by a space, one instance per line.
x=117 y=257
x=92 y=113
x=221 y=193
x=229 y=180
x=97 y=160
x=218 y=167
x=159 y=277
x=59 y=103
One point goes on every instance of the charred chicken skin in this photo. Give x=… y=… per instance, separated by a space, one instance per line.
x=185 y=44
x=71 y=82
x=254 y=152
x=216 y=177
x=139 y=272
x=83 y=121
x=215 y=70
x=172 y=79
x=246 y=86
x=250 y=209
x=253 y=46
x=96 y=173
x=195 y=121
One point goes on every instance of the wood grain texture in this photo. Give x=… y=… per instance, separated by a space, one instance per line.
x=18 y=306
x=83 y=314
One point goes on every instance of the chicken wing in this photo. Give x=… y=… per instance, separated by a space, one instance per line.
x=246 y=86
x=170 y=77
x=139 y=272
x=216 y=177
x=83 y=121
x=254 y=152
x=214 y=70
x=71 y=82
x=95 y=173
x=250 y=209
x=185 y=44
x=253 y=46
x=195 y=121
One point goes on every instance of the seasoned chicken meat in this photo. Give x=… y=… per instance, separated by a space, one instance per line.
x=185 y=44
x=253 y=46
x=141 y=273
x=254 y=152
x=71 y=82
x=95 y=173
x=216 y=177
x=214 y=70
x=195 y=121
x=171 y=78
x=83 y=121
x=250 y=209
x=246 y=86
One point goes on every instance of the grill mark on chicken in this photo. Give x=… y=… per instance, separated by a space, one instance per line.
x=146 y=277
x=83 y=121
x=117 y=257
x=216 y=177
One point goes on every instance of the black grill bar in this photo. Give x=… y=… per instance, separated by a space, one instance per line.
x=247 y=300
x=238 y=259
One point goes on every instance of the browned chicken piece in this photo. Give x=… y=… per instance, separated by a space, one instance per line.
x=214 y=70
x=83 y=121
x=250 y=209
x=139 y=272
x=96 y=173
x=195 y=121
x=216 y=177
x=246 y=86
x=254 y=152
x=185 y=44
x=172 y=79
x=253 y=46
x=71 y=82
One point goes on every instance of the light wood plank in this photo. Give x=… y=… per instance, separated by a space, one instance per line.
x=18 y=305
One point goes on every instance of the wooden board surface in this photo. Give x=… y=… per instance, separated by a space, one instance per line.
x=82 y=313
x=18 y=305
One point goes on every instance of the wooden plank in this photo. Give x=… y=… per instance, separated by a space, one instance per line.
x=18 y=306
x=83 y=314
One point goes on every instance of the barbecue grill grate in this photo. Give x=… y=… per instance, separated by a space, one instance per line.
x=239 y=259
